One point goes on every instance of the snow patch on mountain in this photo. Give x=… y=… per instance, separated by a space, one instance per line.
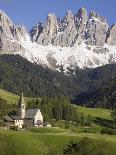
x=83 y=56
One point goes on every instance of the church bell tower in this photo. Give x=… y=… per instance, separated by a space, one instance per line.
x=22 y=106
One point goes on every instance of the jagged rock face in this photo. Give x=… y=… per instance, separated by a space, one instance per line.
x=8 y=33
x=81 y=21
x=76 y=40
x=96 y=30
x=36 y=31
x=72 y=29
x=49 y=32
x=111 y=37
x=68 y=31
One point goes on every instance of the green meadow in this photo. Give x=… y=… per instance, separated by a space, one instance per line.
x=12 y=98
x=96 y=112
x=46 y=143
x=51 y=141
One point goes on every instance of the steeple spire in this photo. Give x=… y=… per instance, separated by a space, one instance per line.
x=22 y=103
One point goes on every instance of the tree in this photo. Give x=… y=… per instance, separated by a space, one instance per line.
x=114 y=117
x=82 y=119
x=86 y=146
x=89 y=120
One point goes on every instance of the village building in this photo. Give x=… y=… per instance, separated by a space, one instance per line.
x=27 y=117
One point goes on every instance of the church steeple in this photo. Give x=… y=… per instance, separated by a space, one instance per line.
x=22 y=106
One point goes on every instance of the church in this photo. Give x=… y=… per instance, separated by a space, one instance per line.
x=27 y=117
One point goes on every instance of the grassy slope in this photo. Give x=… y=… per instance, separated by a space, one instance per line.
x=12 y=98
x=40 y=142
x=23 y=143
x=97 y=112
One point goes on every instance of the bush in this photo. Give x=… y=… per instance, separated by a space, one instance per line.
x=15 y=128
x=25 y=126
x=86 y=146
x=108 y=131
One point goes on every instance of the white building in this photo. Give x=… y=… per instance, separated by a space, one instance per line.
x=28 y=117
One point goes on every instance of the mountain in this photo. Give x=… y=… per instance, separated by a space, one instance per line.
x=80 y=40
x=104 y=96
x=16 y=73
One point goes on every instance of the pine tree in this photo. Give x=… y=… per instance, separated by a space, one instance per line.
x=114 y=117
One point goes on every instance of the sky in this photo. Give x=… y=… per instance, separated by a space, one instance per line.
x=29 y=12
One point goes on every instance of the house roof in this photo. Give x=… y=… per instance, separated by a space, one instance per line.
x=8 y=118
x=12 y=118
x=16 y=117
x=30 y=113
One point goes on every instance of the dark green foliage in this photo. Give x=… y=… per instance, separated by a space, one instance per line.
x=108 y=131
x=17 y=74
x=114 y=117
x=58 y=108
x=86 y=146
x=60 y=112
x=103 y=122
x=5 y=108
x=104 y=96
x=14 y=128
x=89 y=120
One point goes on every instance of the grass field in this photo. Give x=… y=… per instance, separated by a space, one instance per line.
x=51 y=143
x=12 y=98
x=96 y=112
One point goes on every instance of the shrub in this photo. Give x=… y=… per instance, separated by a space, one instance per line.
x=25 y=126
x=86 y=146
x=15 y=128
x=108 y=131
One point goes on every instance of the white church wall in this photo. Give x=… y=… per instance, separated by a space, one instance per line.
x=38 y=116
x=19 y=123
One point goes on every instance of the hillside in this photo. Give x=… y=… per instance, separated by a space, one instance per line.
x=12 y=98
x=30 y=143
x=104 y=96
x=37 y=81
x=97 y=112
x=17 y=74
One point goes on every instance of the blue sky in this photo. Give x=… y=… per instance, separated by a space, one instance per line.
x=29 y=12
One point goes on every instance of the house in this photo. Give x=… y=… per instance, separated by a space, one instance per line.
x=28 y=117
x=13 y=120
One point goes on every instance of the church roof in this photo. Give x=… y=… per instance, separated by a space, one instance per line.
x=30 y=113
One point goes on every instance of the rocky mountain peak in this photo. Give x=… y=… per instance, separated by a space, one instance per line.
x=36 y=31
x=69 y=16
x=111 y=35
x=10 y=32
x=82 y=13
x=48 y=32
x=75 y=40
x=93 y=15
x=72 y=29
x=51 y=18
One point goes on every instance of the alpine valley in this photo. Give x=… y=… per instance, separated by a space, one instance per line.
x=74 y=56
x=57 y=81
